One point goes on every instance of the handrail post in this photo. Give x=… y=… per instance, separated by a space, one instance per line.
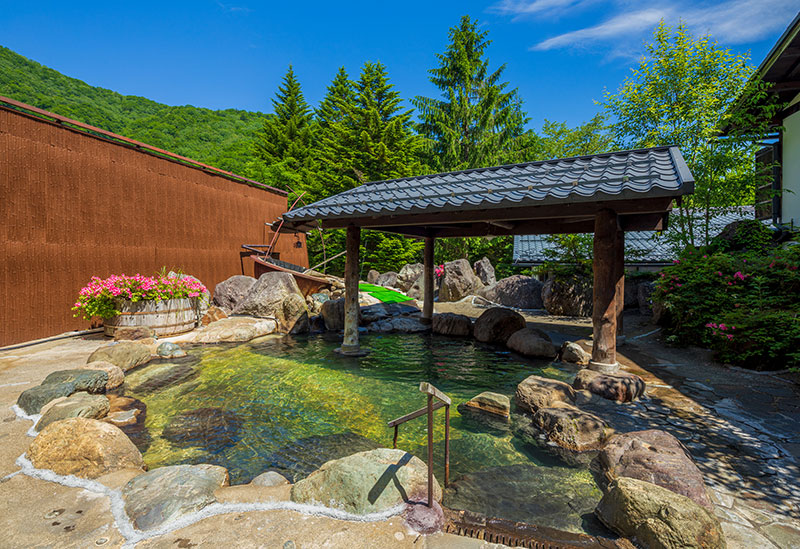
x=446 y=446
x=430 y=450
x=394 y=440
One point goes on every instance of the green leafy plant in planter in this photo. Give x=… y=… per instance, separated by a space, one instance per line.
x=100 y=297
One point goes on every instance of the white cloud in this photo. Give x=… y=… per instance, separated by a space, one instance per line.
x=619 y=26
x=627 y=23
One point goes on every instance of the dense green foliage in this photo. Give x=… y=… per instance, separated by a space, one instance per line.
x=689 y=92
x=220 y=138
x=739 y=296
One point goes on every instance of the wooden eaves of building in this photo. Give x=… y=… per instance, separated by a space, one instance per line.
x=606 y=194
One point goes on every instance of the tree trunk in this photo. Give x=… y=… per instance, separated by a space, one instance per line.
x=427 y=274
x=604 y=315
x=350 y=343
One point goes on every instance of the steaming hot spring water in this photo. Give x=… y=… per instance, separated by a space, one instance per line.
x=289 y=404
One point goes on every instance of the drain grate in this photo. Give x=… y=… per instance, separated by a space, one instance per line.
x=520 y=534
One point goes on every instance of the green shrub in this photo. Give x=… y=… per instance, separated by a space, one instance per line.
x=743 y=304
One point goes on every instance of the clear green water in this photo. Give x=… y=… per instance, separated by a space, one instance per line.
x=291 y=404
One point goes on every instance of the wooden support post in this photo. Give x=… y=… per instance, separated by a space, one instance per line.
x=604 y=315
x=430 y=450
x=619 y=273
x=394 y=440
x=427 y=273
x=350 y=344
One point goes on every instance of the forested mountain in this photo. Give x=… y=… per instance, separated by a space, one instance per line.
x=220 y=138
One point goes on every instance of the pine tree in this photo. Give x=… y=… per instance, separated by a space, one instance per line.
x=476 y=122
x=285 y=144
x=340 y=93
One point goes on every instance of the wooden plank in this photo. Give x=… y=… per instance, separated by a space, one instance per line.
x=429 y=389
x=414 y=415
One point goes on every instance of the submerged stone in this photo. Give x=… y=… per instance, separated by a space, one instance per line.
x=158 y=377
x=304 y=456
x=210 y=428
x=557 y=497
x=270 y=478
x=170 y=350
x=168 y=493
x=367 y=482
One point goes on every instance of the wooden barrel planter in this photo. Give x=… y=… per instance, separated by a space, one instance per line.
x=167 y=317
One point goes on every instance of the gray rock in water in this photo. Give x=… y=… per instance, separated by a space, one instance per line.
x=531 y=342
x=484 y=271
x=382 y=311
x=408 y=275
x=452 y=324
x=125 y=354
x=656 y=517
x=530 y=494
x=270 y=478
x=367 y=482
x=304 y=456
x=230 y=292
x=80 y=404
x=458 y=281
x=658 y=457
x=520 y=291
x=170 y=350
x=568 y=296
x=157 y=377
x=62 y=384
x=276 y=295
x=210 y=428
x=372 y=276
x=488 y=409
x=536 y=392
x=387 y=279
x=399 y=324
x=332 y=313
x=168 y=493
x=497 y=324
x=621 y=387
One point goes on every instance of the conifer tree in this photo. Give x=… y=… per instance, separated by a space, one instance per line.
x=477 y=120
x=340 y=93
x=285 y=144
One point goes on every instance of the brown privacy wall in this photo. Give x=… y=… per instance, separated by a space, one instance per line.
x=73 y=206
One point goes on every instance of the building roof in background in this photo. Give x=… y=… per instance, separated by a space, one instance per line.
x=641 y=247
x=495 y=193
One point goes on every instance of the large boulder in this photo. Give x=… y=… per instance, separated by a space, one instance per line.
x=399 y=324
x=80 y=404
x=125 y=354
x=168 y=493
x=332 y=313
x=234 y=330
x=536 y=392
x=484 y=271
x=497 y=324
x=622 y=387
x=658 y=457
x=388 y=279
x=230 y=292
x=531 y=342
x=520 y=291
x=276 y=295
x=408 y=275
x=572 y=352
x=383 y=311
x=417 y=289
x=213 y=314
x=86 y=448
x=570 y=428
x=62 y=383
x=452 y=324
x=657 y=518
x=372 y=276
x=210 y=428
x=458 y=281
x=367 y=482
x=116 y=376
x=568 y=296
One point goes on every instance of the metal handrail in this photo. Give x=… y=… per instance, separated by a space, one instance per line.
x=443 y=401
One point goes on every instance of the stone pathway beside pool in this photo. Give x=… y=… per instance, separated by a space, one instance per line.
x=741 y=427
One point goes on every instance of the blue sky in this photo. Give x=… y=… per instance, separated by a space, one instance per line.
x=561 y=54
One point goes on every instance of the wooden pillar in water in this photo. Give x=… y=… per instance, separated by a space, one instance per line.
x=604 y=314
x=619 y=265
x=350 y=344
x=427 y=274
